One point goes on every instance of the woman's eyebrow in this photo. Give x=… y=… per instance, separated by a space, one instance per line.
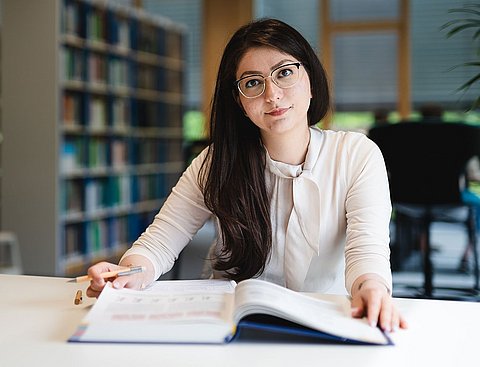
x=255 y=72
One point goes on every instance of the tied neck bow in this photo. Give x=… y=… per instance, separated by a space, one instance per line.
x=302 y=239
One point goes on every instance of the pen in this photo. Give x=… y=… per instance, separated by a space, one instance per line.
x=110 y=274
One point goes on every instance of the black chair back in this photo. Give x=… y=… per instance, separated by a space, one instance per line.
x=426 y=160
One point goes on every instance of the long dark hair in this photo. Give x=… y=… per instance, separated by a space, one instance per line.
x=233 y=173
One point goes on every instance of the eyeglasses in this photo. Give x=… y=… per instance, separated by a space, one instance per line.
x=285 y=76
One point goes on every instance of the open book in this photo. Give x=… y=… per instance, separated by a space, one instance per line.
x=217 y=311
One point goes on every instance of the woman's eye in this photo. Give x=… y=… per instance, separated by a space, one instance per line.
x=283 y=73
x=251 y=83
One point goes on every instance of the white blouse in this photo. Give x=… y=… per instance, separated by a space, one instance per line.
x=330 y=216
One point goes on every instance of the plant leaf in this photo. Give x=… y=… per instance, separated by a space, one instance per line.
x=472 y=22
x=472 y=63
x=450 y=23
x=476 y=34
x=461 y=28
x=465 y=10
x=475 y=104
x=466 y=21
x=469 y=83
x=458 y=25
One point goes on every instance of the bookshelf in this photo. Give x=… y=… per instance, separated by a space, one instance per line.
x=92 y=125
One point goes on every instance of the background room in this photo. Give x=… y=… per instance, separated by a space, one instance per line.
x=104 y=103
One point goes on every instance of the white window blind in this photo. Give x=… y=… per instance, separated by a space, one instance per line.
x=188 y=13
x=365 y=74
x=433 y=55
x=364 y=10
x=365 y=64
x=303 y=15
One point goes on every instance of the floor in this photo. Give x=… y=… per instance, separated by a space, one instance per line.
x=449 y=241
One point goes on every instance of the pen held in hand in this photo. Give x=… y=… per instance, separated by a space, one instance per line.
x=110 y=274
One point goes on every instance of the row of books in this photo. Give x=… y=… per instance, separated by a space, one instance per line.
x=95 y=238
x=152 y=186
x=103 y=69
x=82 y=19
x=80 y=153
x=153 y=150
x=106 y=192
x=118 y=26
x=156 y=114
x=77 y=154
x=84 y=65
x=97 y=111
x=74 y=113
x=89 y=197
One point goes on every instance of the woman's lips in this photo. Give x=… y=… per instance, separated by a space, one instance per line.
x=277 y=111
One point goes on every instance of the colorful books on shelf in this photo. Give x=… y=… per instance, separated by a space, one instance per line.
x=121 y=73
x=218 y=311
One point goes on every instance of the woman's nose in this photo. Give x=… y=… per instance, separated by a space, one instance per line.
x=272 y=91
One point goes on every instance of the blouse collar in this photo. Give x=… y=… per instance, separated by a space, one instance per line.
x=286 y=170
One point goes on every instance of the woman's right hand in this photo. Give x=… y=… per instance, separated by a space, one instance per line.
x=97 y=283
x=134 y=281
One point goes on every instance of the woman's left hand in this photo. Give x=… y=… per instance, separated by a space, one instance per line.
x=371 y=298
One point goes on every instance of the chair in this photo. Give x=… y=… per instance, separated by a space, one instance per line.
x=425 y=164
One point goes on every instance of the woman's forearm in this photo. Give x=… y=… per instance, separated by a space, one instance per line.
x=148 y=274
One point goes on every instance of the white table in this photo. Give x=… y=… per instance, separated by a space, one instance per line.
x=37 y=315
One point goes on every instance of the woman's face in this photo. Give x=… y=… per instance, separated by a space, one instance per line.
x=278 y=110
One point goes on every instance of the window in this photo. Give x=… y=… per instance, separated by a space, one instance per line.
x=365 y=63
x=188 y=13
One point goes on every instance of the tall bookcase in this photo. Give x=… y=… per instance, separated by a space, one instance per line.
x=92 y=123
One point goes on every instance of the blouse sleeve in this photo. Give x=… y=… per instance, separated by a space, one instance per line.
x=368 y=211
x=181 y=216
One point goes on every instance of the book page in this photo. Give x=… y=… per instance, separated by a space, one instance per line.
x=256 y=296
x=177 y=311
x=164 y=301
x=196 y=286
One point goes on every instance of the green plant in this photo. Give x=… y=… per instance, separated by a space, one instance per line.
x=470 y=21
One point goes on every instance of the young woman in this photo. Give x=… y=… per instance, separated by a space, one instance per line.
x=295 y=205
